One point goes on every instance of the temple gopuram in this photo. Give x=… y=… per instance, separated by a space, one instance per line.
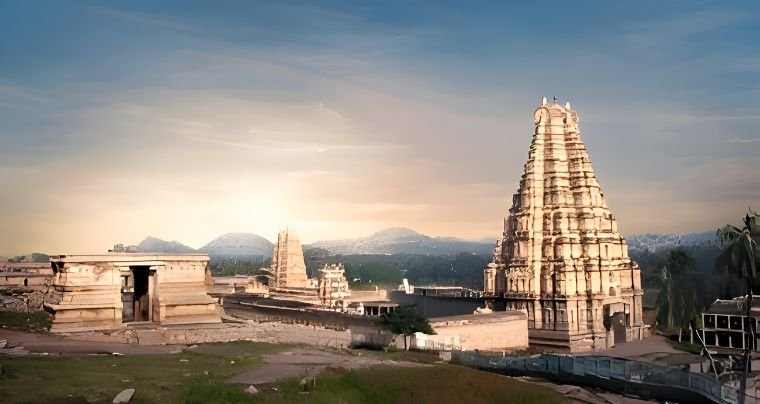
x=288 y=266
x=561 y=258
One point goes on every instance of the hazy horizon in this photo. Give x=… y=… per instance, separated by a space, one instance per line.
x=485 y=239
x=188 y=120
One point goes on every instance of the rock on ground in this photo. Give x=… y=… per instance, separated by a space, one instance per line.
x=124 y=396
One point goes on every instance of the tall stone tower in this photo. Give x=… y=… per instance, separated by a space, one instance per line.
x=561 y=257
x=288 y=266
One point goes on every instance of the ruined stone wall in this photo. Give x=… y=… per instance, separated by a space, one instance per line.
x=278 y=333
x=23 y=299
x=368 y=295
x=364 y=331
x=22 y=292
x=492 y=336
x=327 y=319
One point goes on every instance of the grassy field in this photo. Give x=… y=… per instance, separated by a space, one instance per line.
x=36 y=321
x=431 y=384
x=198 y=377
x=687 y=346
x=156 y=378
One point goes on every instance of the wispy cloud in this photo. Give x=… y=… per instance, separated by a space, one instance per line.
x=742 y=141
x=146 y=19
x=281 y=147
x=278 y=112
x=674 y=31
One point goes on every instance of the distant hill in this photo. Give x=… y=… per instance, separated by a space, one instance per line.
x=153 y=244
x=33 y=257
x=651 y=242
x=401 y=240
x=238 y=245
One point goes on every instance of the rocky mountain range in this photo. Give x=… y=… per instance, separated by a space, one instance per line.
x=228 y=245
x=153 y=244
x=238 y=245
x=401 y=240
x=652 y=242
x=395 y=240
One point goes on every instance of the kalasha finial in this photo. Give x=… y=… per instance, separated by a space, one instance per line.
x=543 y=101
x=567 y=105
x=555 y=99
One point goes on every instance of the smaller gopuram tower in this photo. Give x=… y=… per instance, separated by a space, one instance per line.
x=288 y=266
x=561 y=258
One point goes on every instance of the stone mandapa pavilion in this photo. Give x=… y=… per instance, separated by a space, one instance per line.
x=561 y=258
x=98 y=292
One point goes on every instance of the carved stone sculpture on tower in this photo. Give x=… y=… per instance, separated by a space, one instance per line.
x=333 y=287
x=561 y=257
x=288 y=266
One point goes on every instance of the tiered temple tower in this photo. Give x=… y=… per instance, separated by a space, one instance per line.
x=561 y=257
x=333 y=286
x=288 y=266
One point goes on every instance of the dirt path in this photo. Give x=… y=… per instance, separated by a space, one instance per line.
x=639 y=349
x=308 y=362
x=582 y=395
x=22 y=343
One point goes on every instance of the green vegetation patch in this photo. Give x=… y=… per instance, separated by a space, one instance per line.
x=428 y=384
x=184 y=377
x=399 y=355
x=686 y=346
x=35 y=321
x=198 y=376
x=650 y=298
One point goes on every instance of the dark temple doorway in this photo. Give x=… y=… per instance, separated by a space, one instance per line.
x=618 y=327
x=141 y=299
x=135 y=294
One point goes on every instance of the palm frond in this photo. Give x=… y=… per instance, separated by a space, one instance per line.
x=728 y=233
x=749 y=250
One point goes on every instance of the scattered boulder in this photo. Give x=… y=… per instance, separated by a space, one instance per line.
x=252 y=390
x=16 y=351
x=3 y=343
x=124 y=396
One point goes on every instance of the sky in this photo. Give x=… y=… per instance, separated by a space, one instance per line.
x=185 y=120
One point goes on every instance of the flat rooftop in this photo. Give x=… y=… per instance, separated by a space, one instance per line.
x=128 y=257
x=482 y=318
x=383 y=303
x=24 y=275
x=735 y=306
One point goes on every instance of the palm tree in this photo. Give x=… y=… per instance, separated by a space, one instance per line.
x=676 y=302
x=739 y=259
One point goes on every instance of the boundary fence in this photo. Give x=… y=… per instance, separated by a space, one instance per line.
x=620 y=375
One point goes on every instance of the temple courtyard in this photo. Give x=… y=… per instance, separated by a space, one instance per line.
x=42 y=367
x=71 y=372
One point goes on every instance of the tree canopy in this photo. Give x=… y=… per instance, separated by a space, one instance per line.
x=739 y=259
x=406 y=321
x=677 y=301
